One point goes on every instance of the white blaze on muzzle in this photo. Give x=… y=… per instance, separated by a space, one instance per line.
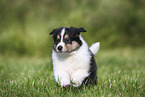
x=60 y=46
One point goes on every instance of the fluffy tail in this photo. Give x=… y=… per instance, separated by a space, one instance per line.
x=95 y=48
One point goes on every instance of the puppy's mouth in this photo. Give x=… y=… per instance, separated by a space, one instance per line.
x=67 y=51
x=63 y=52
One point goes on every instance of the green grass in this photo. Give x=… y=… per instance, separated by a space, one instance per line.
x=120 y=73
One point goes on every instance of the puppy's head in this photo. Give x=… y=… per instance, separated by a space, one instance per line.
x=66 y=40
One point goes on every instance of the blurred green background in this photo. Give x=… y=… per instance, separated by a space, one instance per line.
x=25 y=24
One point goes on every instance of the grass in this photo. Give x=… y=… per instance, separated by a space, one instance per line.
x=120 y=72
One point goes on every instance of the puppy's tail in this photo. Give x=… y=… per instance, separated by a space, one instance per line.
x=95 y=48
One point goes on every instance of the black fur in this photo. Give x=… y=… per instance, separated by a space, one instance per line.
x=92 y=78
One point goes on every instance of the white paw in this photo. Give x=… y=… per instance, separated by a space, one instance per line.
x=78 y=77
x=65 y=83
x=76 y=85
x=76 y=81
x=62 y=78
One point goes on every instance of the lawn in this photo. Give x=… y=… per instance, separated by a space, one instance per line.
x=121 y=72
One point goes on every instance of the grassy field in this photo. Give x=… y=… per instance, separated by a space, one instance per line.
x=120 y=72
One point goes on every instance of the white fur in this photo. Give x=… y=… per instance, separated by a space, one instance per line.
x=72 y=67
x=61 y=42
x=95 y=48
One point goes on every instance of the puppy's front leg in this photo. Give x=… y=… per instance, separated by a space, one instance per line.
x=62 y=78
x=78 y=77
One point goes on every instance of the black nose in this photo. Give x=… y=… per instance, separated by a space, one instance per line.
x=59 y=48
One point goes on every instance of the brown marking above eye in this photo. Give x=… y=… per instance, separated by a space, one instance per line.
x=58 y=37
x=66 y=36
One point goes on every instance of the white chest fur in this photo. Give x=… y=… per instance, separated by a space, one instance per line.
x=72 y=67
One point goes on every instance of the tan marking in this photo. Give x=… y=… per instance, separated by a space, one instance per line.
x=71 y=47
x=66 y=36
x=58 y=37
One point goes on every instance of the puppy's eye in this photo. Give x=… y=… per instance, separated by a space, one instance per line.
x=57 y=40
x=67 y=40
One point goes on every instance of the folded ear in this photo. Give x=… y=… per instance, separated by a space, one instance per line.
x=56 y=30
x=52 y=31
x=77 y=30
x=81 y=30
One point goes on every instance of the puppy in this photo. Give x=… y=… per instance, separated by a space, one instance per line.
x=73 y=60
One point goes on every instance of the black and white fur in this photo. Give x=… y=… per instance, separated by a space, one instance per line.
x=73 y=60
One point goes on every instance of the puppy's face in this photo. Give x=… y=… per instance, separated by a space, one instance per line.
x=67 y=40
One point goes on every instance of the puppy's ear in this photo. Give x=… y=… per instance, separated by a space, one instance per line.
x=81 y=30
x=52 y=32
x=55 y=31
x=77 y=31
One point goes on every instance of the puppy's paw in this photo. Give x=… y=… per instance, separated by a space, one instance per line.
x=76 y=85
x=65 y=83
x=78 y=77
x=76 y=82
